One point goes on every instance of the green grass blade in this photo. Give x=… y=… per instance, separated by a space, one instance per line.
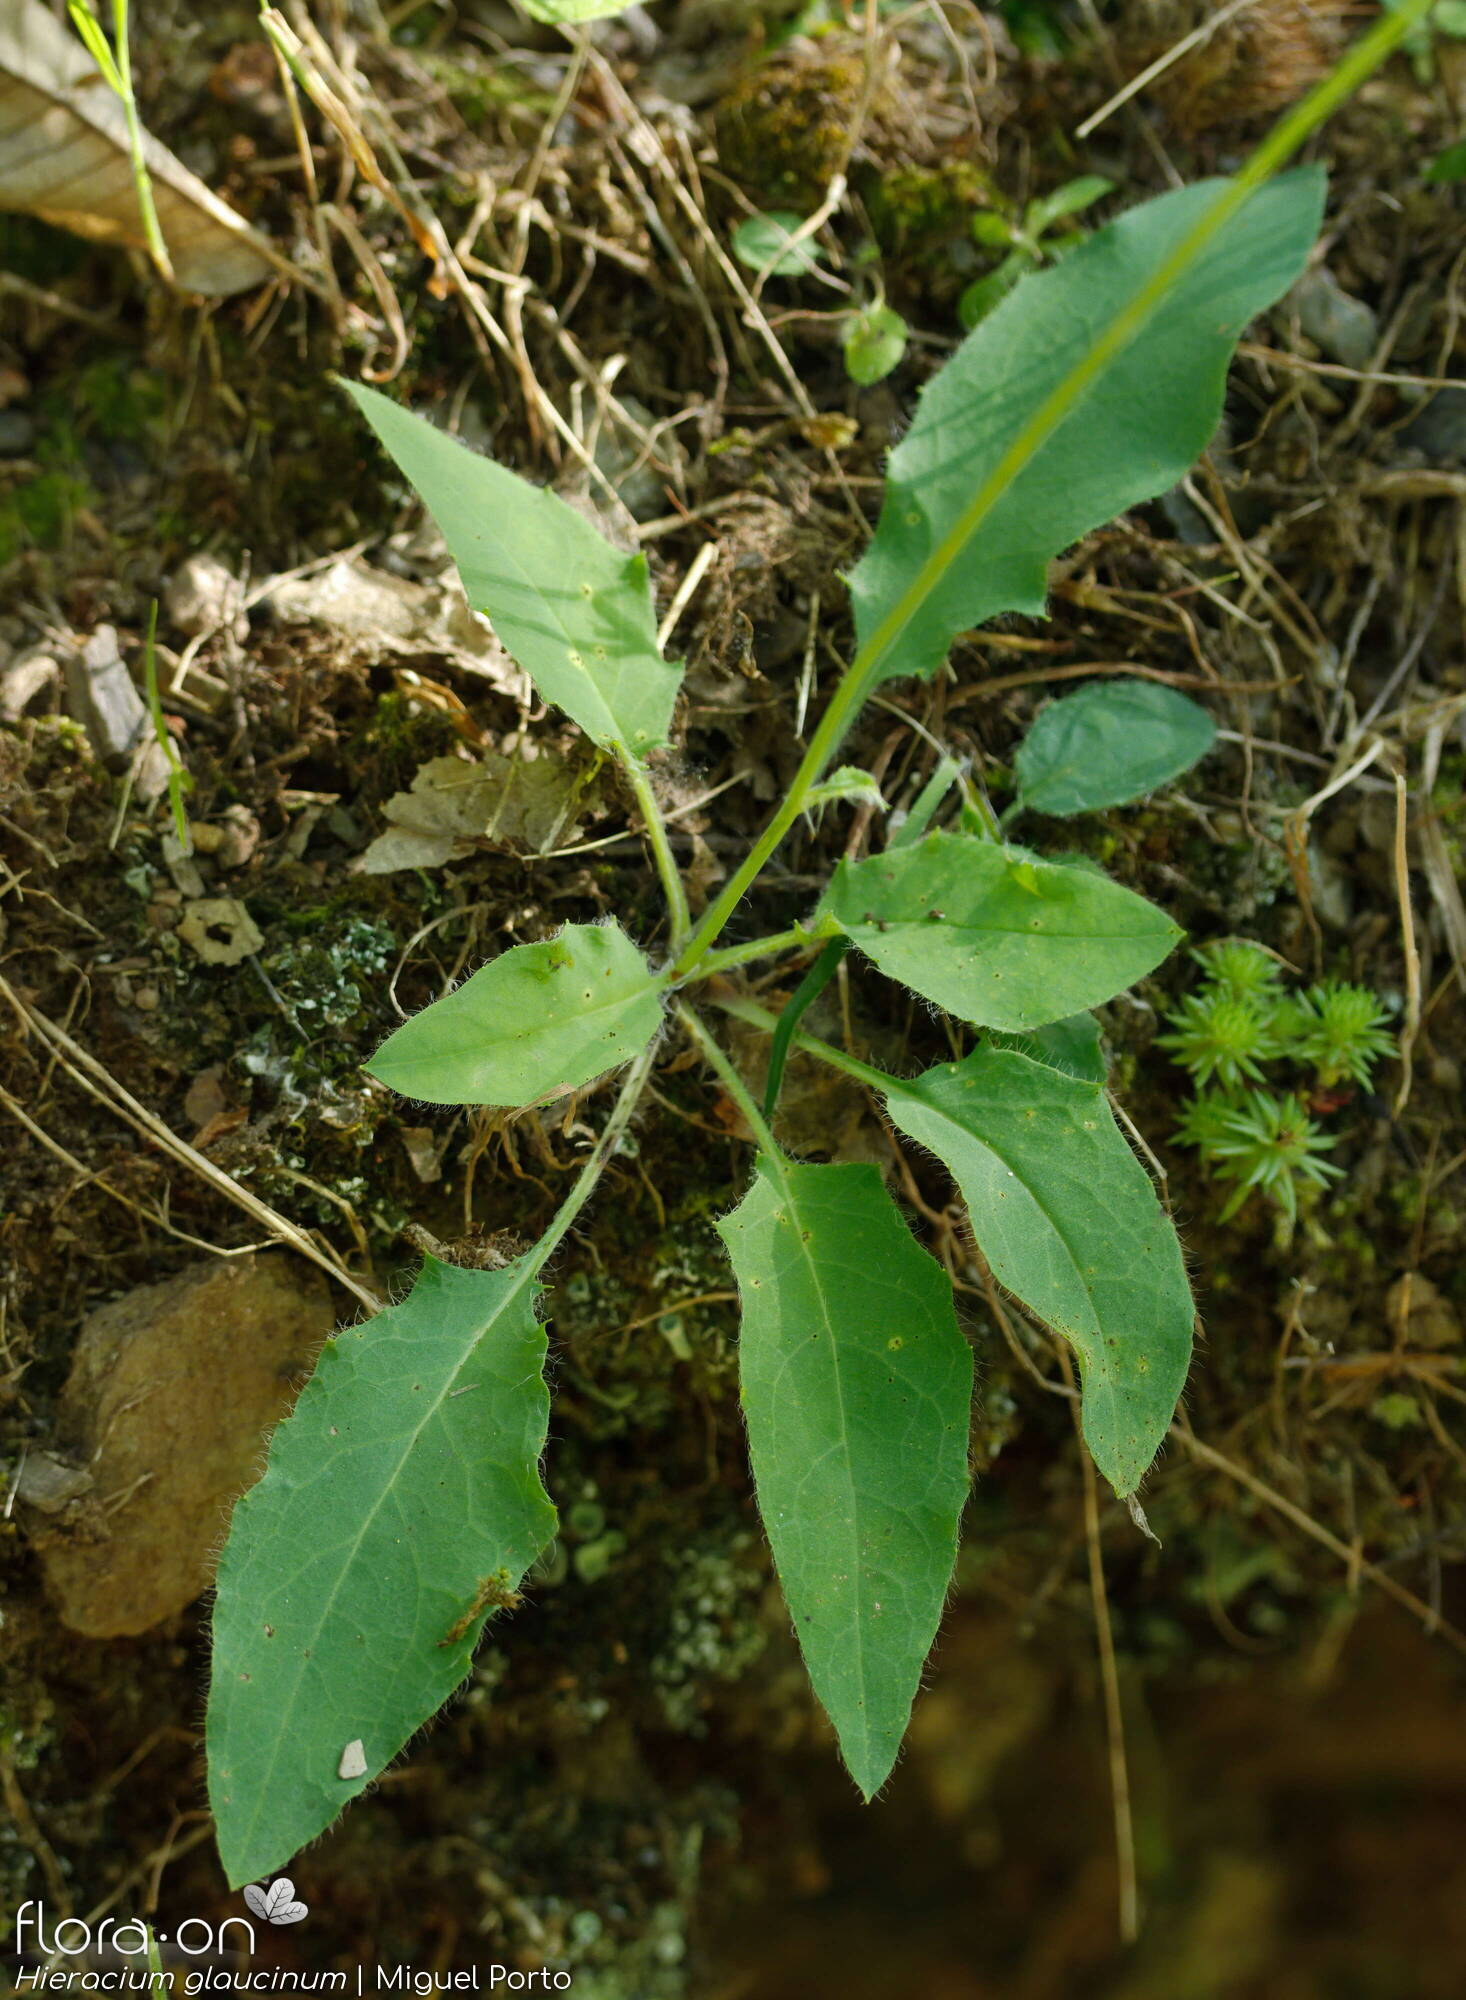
x=856 y=1386
x=402 y=1501
x=576 y=614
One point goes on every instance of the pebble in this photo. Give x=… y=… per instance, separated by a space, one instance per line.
x=23 y=680
x=17 y=433
x=172 y=1392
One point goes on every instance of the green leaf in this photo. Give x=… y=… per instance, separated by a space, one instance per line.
x=1072 y=1046
x=991 y=230
x=874 y=342
x=576 y=614
x=401 y=1502
x=1069 y=1222
x=762 y=242
x=936 y=567
x=849 y=784
x=1070 y=199
x=984 y=295
x=98 y=47
x=537 y=1020
x=856 y=1385
x=559 y=12
x=1449 y=165
x=993 y=934
x=1112 y=742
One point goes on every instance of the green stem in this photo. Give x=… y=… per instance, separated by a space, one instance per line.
x=760 y=1017
x=602 y=1153
x=822 y=745
x=865 y=670
x=137 y=146
x=805 y=994
x=178 y=779
x=731 y=1081
x=928 y=799
x=764 y=947
x=639 y=779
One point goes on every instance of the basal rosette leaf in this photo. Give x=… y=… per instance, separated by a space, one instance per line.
x=538 y=1020
x=1111 y=743
x=932 y=570
x=993 y=934
x=1069 y=1223
x=856 y=1386
x=402 y=1501
x=576 y=614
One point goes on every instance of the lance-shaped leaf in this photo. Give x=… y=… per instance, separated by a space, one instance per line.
x=1112 y=742
x=971 y=517
x=995 y=935
x=537 y=1020
x=856 y=1385
x=576 y=614
x=1069 y=1222
x=402 y=1502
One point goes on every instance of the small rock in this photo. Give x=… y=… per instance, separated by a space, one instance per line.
x=181 y=865
x=221 y=930
x=1440 y=429
x=206 y=839
x=422 y=1150
x=102 y=697
x=1344 y=327
x=171 y=1394
x=1331 y=886
x=206 y=1097
x=203 y=596
x=239 y=836
x=17 y=433
x=50 y=1484
x=23 y=680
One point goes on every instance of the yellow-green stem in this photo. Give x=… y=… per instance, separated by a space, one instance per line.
x=797 y=938
x=137 y=146
x=865 y=670
x=600 y=1158
x=731 y=1081
x=639 y=779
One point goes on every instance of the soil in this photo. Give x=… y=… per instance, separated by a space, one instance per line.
x=635 y=1785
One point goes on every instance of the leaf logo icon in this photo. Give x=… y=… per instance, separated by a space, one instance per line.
x=277 y=1904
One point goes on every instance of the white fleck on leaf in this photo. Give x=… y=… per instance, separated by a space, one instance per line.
x=353 y=1760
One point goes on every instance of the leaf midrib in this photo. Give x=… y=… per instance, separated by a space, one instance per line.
x=528 y=1274
x=1032 y=1192
x=777 y=1168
